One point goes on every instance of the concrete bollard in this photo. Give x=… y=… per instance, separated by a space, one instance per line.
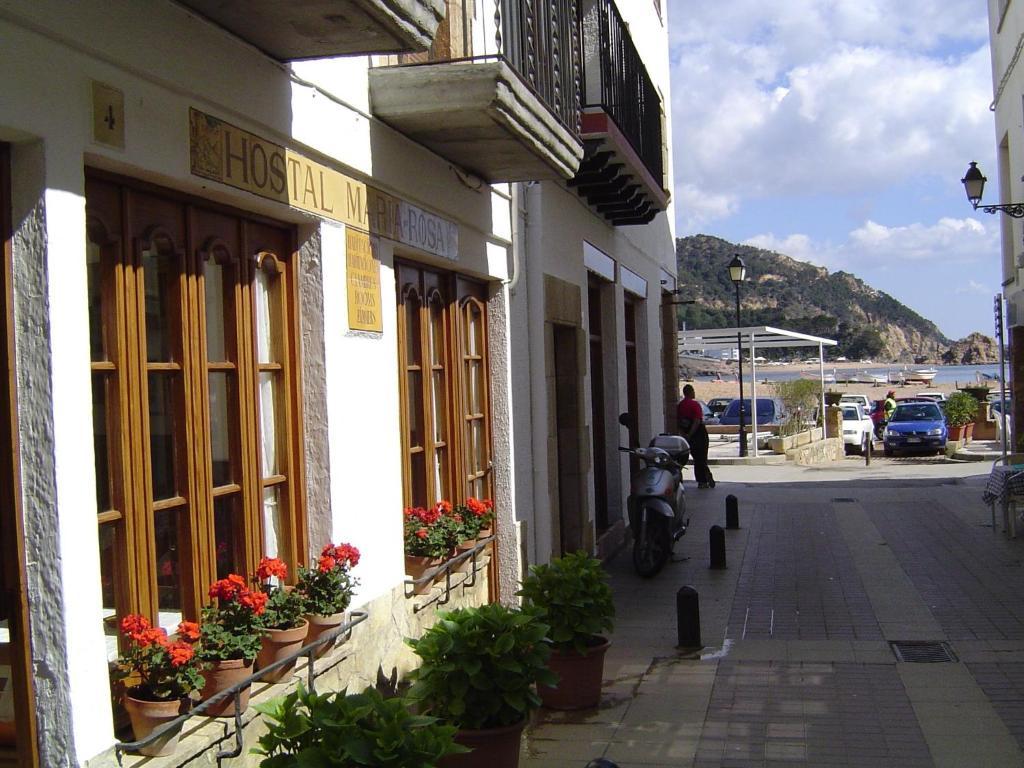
x=732 y=513
x=867 y=451
x=688 y=618
x=717 y=536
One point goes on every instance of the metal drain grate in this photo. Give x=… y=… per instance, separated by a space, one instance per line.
x=844 y=500
x=922 y=652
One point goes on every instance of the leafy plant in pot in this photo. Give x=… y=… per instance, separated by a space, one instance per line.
x=478 y=672
x=327 y=590
x=284 y=627
x=231 y=633
x=167 y=672
x=571 y=595
x=961 y=410
x=314 y=731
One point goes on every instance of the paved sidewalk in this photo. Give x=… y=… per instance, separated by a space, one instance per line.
x=830 y=566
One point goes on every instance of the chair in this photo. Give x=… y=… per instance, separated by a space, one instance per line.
x=1010 y=500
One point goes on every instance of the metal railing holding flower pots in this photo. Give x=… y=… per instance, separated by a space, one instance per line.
x=447 y=570
x=308 y=651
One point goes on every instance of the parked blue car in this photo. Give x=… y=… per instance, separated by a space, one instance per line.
x=769 y=411
x=917 y=426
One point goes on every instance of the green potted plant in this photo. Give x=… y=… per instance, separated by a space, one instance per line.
x=571 y=595
x=313 y=731
x=327 y=590
x=230 y=636
x=167 y=671
x=284 y=627
x=961 y=409
x=473 y=520
x=478 y=672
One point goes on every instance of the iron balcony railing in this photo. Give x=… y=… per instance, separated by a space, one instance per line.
x=540 y=39
x=615 y=74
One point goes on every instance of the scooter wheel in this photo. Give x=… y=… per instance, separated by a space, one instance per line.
x=652 y=547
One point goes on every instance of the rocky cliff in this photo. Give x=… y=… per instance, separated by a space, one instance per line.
x=787 y=293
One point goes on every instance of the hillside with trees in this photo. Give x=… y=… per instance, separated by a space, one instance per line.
x=797 y=296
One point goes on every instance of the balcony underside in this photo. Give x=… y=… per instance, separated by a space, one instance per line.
x=612 y=178
x=310 y=29
x=478 y=115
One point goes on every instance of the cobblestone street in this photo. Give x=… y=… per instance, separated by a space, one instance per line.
x=830 y=566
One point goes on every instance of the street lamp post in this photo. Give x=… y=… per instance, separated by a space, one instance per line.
x=974 y=185
x=737 y=273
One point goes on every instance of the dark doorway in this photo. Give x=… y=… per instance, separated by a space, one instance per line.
x=567 y=431
x=597 y=404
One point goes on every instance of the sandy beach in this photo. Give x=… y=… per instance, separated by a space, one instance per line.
x=706 y=389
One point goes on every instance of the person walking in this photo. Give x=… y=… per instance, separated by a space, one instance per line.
x=690 y=418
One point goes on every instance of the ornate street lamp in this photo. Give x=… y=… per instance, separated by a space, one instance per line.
x=738 y=273
x=974 y=186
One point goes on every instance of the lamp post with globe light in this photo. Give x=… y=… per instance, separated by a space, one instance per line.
x=738 y=273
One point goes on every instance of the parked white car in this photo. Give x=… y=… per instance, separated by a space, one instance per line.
x=862 y=400
x=857 y=428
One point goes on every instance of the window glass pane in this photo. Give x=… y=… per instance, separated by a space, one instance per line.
x=436 y=342
x=437 y=405
x=272 y=532
x=415 y=426
x=108 y=557
x=412 y=330
x=220 y=426
x=227 y=530
x=101 y=445
x=476 y=441
x=213 y=275
x=473 y=374
x=267 y=332
x=441 y=472
x=169 y=557
x=268 y=420
x=472 y=330
x=161 y=433
x=158 y=270
x=95 y=280
x=417 y=466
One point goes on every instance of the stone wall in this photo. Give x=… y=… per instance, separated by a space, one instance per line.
x=819 y=452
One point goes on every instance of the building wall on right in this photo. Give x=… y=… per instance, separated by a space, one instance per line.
x=1006 y=32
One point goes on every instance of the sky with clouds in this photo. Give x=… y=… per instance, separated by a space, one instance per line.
x=837 y=132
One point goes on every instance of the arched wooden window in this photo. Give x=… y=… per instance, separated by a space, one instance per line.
x=444 y=385
x=195 y=398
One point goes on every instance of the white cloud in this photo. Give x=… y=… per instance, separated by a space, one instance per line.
x=799 y=97
x=873 y=245
x=973 y=287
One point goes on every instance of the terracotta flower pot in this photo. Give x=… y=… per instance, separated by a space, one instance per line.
x=147 y=716
x=224 y=674
x=278 y=643
x=318 y=625
x=492 y=748
x=417 y=567
x=465 y=566
x=955 y=432
x=579 y=677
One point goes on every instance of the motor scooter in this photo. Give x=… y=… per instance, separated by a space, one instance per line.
x=657 y=502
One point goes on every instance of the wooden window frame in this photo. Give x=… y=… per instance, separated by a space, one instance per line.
x=459 y=295
x=255 y=241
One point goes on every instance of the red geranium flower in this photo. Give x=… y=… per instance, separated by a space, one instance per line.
x=271 y=568
x=188 y=631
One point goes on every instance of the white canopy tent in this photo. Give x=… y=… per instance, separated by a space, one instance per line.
x=761 y=337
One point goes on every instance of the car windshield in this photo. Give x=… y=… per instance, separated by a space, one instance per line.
x=765 y=408
x=850 y=414
x=917 y=412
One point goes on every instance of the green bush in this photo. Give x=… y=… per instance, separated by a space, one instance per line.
x=305 y=730
x=800 y=397
x=480 y=666
x=961 y=409
x=571 y=595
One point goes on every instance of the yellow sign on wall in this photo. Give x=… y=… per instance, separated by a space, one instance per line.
x=363 y=277
x=225 y=153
